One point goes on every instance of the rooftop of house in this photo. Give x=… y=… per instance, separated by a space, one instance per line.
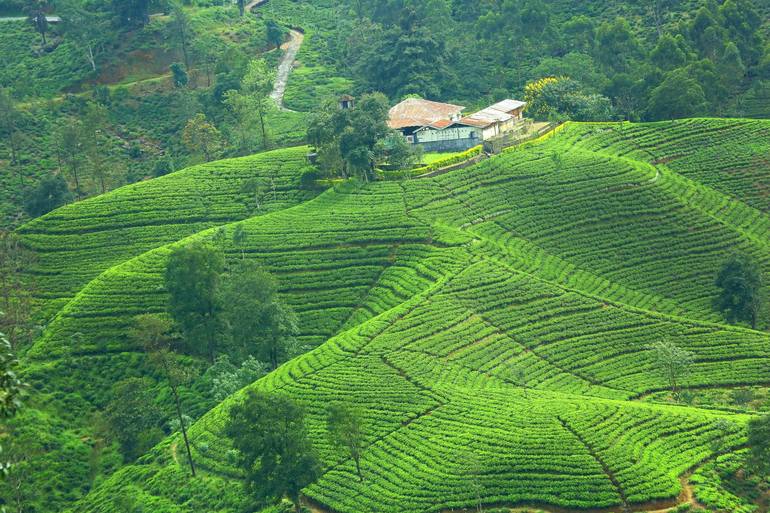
x=508 y=105
x=415 y=112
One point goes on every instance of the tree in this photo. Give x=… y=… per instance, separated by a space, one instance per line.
x=70 y=146
x=257 y=84
x=87 y=29
x=9 y=126
x=12 y=391
x=616 y=45
x=226 y=378
x=181 y=30
x=679 y=96
x=256 y=320
x=241 y=7
x=35 y=10
x=367 y=125
x=178 y=75
x=131 y=13
x=95 y=121
x=206 y=50
x=668 y=54
x=759 y=445
x=200 y=135
x=51 y=193
x=394 y=150
x=15 y=292
x=740 y=284
x=152 y=332
x=274 y=34
x=133 y=416
x=731 y=67
x=269 y=432
x=191 y=279
x=672 y=361
x=563 y=97
x=346 y=431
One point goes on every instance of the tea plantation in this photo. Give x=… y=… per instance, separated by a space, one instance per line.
x=494 y=323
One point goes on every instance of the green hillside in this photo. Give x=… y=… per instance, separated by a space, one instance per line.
x=76 y=243
x=494 y=322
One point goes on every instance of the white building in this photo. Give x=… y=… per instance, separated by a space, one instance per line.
x=439 y=126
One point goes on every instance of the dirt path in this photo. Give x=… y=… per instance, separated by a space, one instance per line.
x=290 y=49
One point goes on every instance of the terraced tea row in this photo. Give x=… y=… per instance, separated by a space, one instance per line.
x=728 y=155
x=613 y=218
x=494 y=323
x=74 y=244
x=441 y=434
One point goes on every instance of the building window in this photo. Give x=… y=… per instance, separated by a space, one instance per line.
x=410 y=139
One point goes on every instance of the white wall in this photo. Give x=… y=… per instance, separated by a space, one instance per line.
x=448 y=134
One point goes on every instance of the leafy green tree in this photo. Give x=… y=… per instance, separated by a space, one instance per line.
x=36 y=15
x=12 y=392
x=133 y=416
x=71 y=151
x=394 y=150
x=616 y=45
x=15 y=291
x=274 y=33
x=153 y=334
x=131 y=13
x=678 y=96
x=199 y=135
x=9 y=126
x=731 y=67
x=740 y=284
x=226 y=378
x=269 y=432
x=673 y=362
x=85 y=27
x=181 y=30
x=668 y=54
x=579 y=32
x=178 y=75
x=257 y=84
x=759 y=445
x=51 y=193
x=256 y=320
x=192 y=277
x=407 y=58
x=743 y=23
x=367 y=127
x=346 y=431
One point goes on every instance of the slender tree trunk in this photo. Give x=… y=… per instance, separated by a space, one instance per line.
x=241 y=7
x=184 y=428
x=262 y=124
x=77 y=180
x=357 y=459
x=91 y=58
x=297 y=504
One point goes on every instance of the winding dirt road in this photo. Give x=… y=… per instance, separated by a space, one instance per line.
x=290 y=50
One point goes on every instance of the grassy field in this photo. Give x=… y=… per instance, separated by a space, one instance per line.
x=495 y=322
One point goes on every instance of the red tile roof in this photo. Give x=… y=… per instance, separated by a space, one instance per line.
x=417 y=112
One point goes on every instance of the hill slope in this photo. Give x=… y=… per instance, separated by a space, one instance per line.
x=562 y=261
x=74 y=244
